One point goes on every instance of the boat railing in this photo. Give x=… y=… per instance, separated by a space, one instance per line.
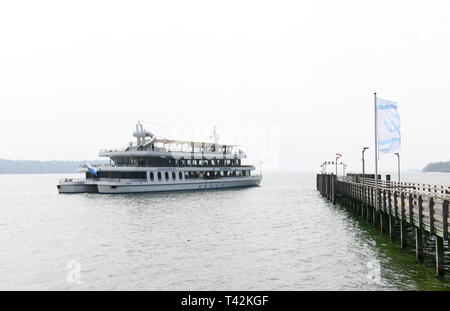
x=96 y=165
x=112 y=150
x=120 y=180
x=169 y=149
x=62 y=180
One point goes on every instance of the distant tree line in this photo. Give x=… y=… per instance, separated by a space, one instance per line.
x=41 y=167
x=443 y=167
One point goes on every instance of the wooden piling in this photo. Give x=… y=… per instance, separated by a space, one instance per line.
x=431 y=214
x=333 y=186
x=403 y=234
x=374 y=209
x=395 y=204
x=410 y=209
x=368 y=210
x=439 y=255
x=402 y=222
x=445 y=220
x=419 y=245
x=383 y=219
x=390 y=217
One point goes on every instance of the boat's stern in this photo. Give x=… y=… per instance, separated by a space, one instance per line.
x=73 y=185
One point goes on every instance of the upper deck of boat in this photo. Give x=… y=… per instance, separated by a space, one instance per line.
x=177 y=149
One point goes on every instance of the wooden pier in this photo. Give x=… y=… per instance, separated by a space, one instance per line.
x=421 y=206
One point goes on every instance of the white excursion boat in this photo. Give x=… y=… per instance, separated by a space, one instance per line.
x=158 y=164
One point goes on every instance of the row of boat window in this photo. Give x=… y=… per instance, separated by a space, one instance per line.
x=119 y=175
x=167 y=162
x=204 y=162
x=166 y=175
x=208 y=175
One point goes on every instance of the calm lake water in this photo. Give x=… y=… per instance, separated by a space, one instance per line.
x=280 y=236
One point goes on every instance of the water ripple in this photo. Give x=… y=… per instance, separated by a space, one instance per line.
x=281 y=236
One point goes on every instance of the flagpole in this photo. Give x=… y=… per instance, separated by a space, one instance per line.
x=376 y=152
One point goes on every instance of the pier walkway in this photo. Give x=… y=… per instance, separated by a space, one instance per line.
x=421 y=206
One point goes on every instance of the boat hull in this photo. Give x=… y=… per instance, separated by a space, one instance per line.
x=77 y=188
x=110 y=188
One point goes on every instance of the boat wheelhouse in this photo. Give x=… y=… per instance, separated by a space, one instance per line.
x=158 y=164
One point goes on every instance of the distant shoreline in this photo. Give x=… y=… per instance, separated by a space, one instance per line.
x=437 y=167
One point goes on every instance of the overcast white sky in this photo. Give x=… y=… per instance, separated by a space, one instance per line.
x=75 y=76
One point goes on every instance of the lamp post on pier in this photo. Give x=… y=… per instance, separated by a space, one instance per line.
x=363 y=164
x=338 y=156
x=398 y=165
x=336 y=165
x=364 y=175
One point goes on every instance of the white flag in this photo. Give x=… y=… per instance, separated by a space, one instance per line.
x=388 y=126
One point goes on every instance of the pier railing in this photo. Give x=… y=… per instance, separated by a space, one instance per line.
x=410 y=187
x=417 y=204
x=422 y=206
